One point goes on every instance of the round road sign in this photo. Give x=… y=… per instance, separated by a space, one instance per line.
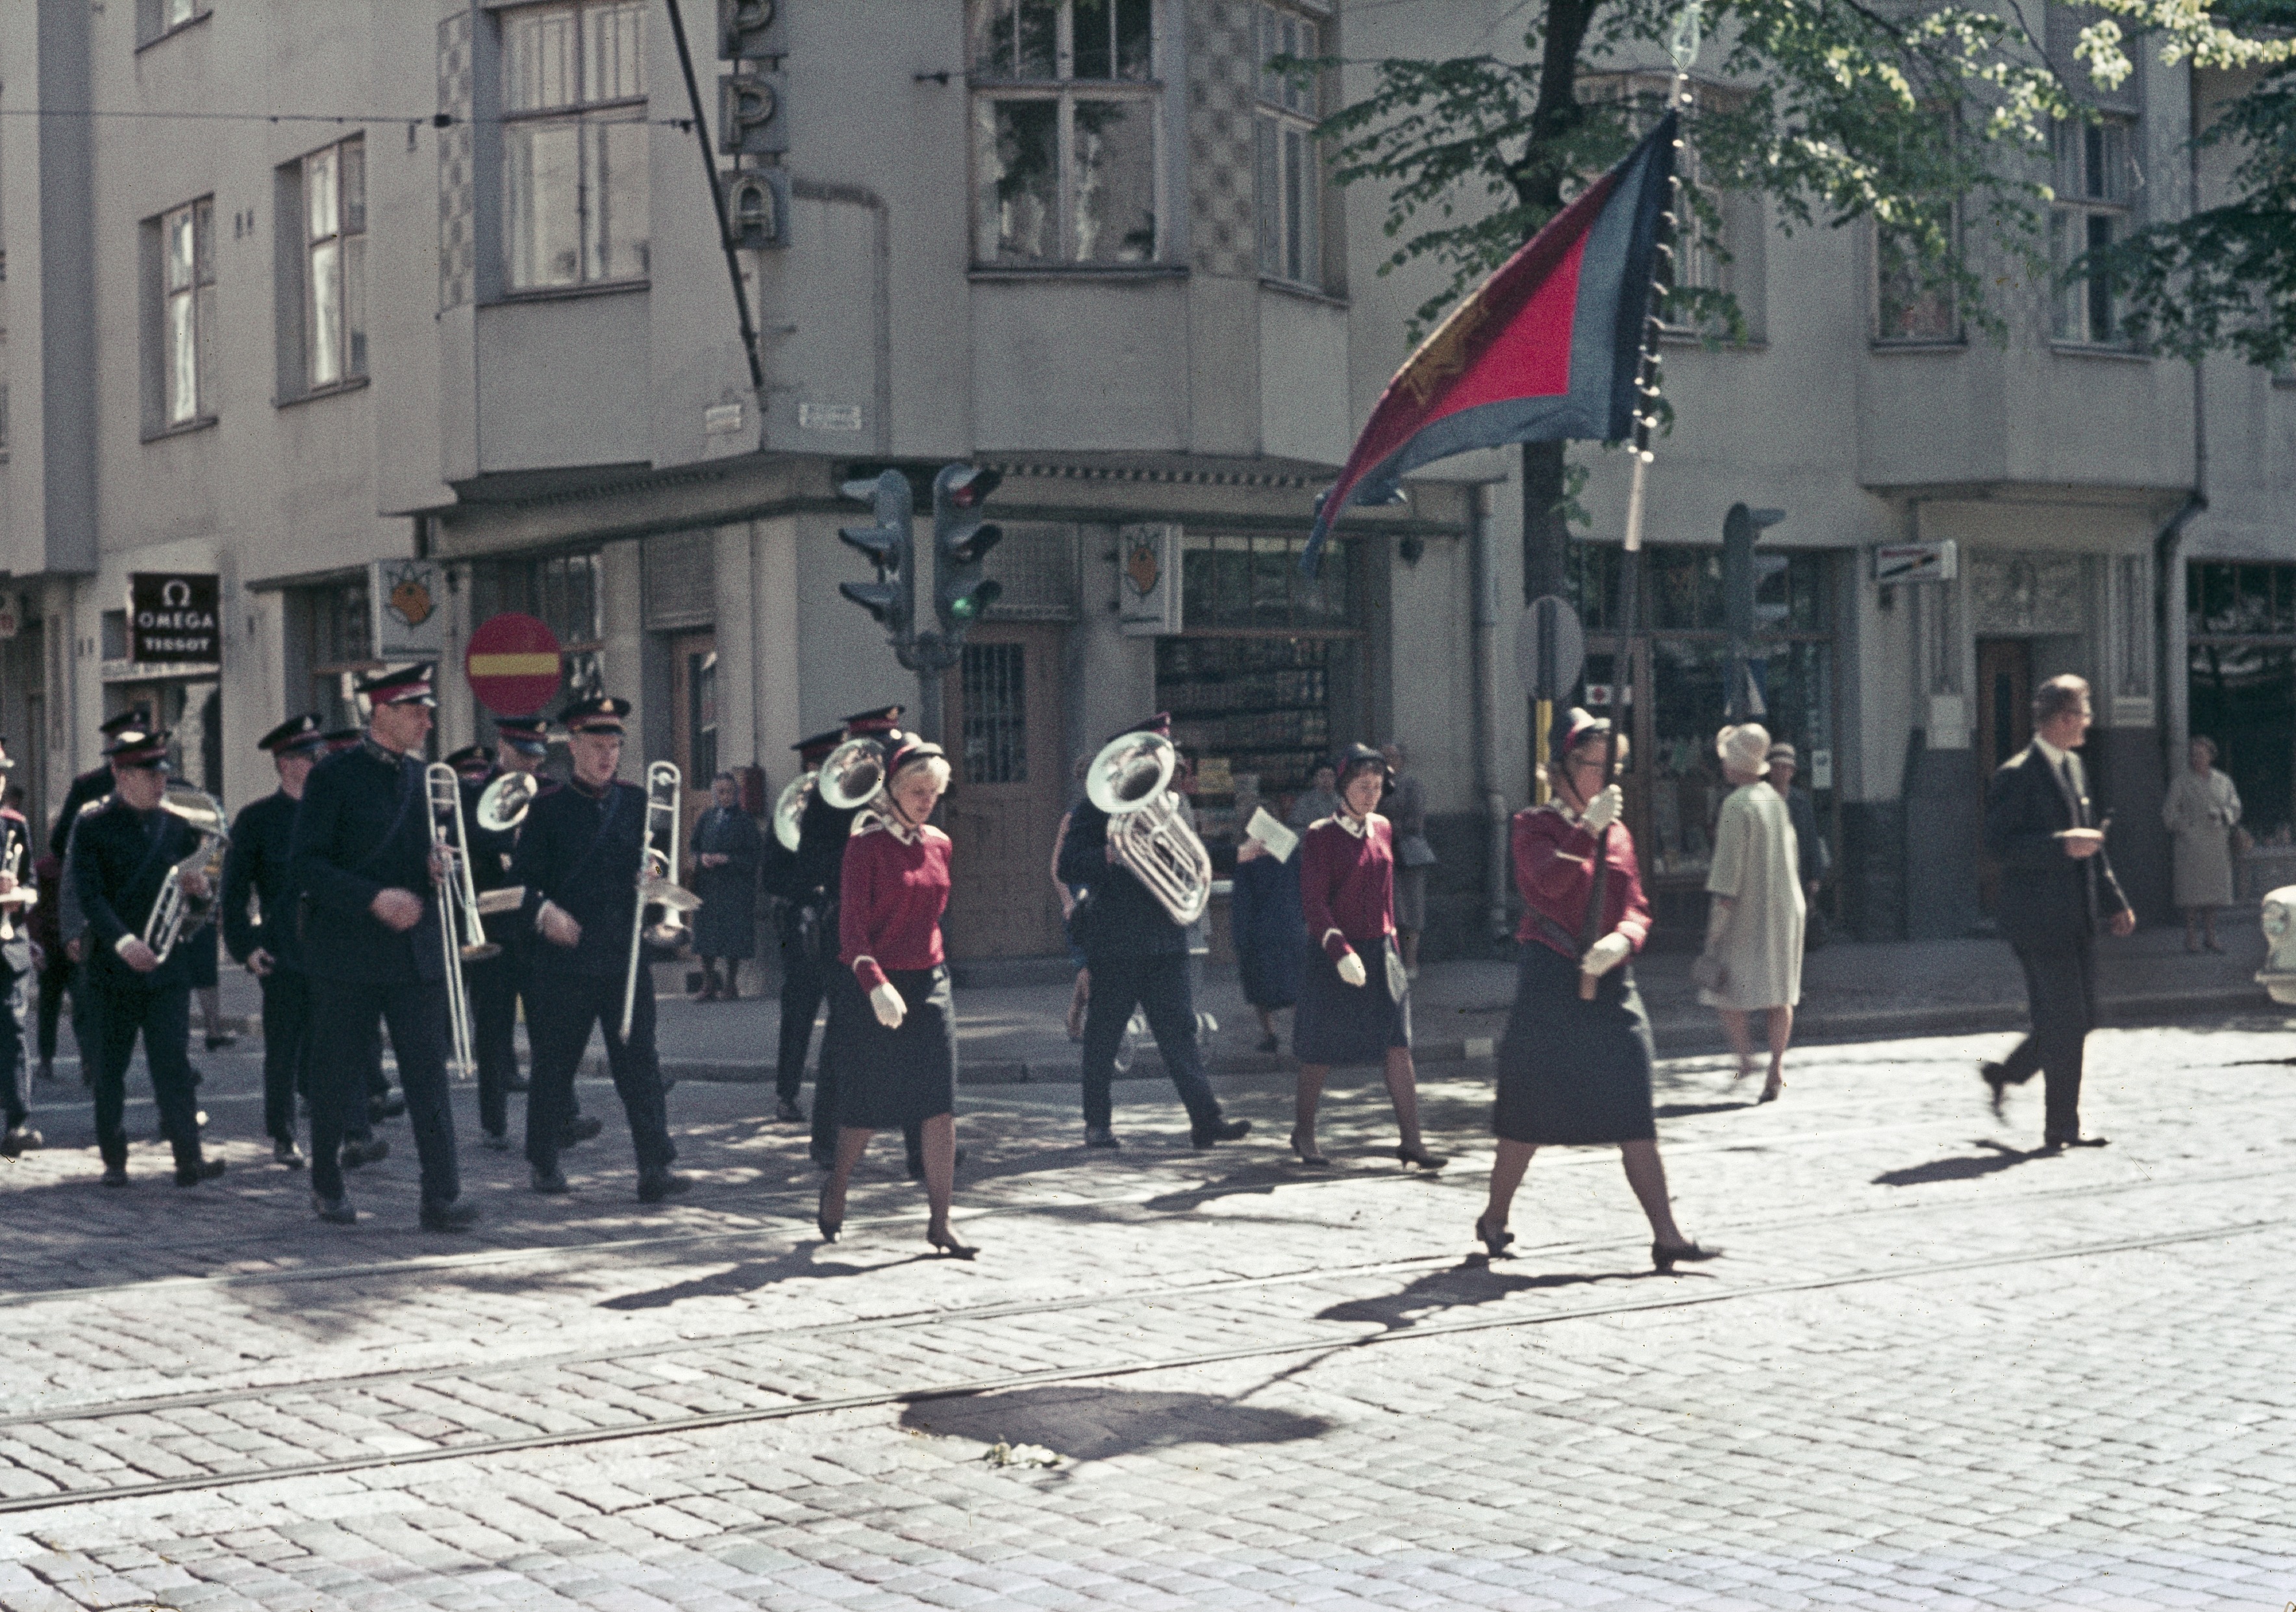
x=512 y=665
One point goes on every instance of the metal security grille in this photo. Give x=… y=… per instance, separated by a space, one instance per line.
x=995 y=714
x=681 y=580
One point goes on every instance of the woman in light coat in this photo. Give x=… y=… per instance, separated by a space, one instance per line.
x=2200 y=810
x=1752 y=961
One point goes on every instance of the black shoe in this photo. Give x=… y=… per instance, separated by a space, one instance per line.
x=1100 y=1136
x=19 y=1140
x=197 y=1169
x=1218 y=1131
x=517 y=1085
x=1664 y=1259
x=2058 y=1144
x=495 y=1141
x=288 y=1153
x=787 y=1113
x=334 y=1210
x=581 y=1127
x=1494 y=1238
x=1424 y=1159
x=368 y=1150
x=221 y=1039
x=456 y=1216
x=551 y=1181
x=115 y=1175
x=382 y=1108
x=655 y=1184
x=1996 y=1079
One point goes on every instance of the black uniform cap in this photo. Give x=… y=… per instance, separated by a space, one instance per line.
x=601 y=714
x=880 y=720
x=410 y=686
x=816 y=749
x=1159 y=724
x=134 y=748
x=1356 y=758
x=467 y=754
x=137 y=717
x=294 y=734
x=529 y=736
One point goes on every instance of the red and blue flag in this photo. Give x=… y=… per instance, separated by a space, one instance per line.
x=1547 y=347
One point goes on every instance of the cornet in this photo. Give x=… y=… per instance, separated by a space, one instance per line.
x=462 y=923
x=657 y=886
x=1129 y=780
x=176 y=912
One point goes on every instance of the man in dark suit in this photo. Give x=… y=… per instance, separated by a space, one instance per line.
x=2057 y=890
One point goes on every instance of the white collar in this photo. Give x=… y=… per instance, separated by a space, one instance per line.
x=898 y=829
x=2056 y=757
x=1358 y=827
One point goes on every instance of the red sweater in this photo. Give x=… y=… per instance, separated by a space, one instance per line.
x=1347 y=883
x=1554 y=870
x=889 y=904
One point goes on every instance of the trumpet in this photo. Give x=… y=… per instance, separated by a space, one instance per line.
x=1129 y=780
x=657 y=883
x=789 y=809
x=503 y=806
x=176 y=912
x=462 y=923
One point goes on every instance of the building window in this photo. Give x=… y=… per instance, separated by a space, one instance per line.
x=2241 y=684
x=574 y=145
x=336 y=645
x=996 y=713
x=332 y=210
x=566 y=592
x=183 y=302
x=1912 y=289
x=1288 y=183
x=156 y=18
x=2095 y=181
x=1065 y=131
x=1702 y=257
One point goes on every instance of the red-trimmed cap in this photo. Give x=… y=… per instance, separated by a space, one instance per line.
x=409 y=686
x=529 y=736
x=472 y=758
x=295 y=733
x=603 y=713
x=343 y=738
x=883 y=720
x=815 y=750
x=137 y=717
x=134 y=748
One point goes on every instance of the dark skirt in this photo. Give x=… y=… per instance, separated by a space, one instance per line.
x=1337 y=1023
x=202 y=945
x=888 y=1079
x=1572 y=1072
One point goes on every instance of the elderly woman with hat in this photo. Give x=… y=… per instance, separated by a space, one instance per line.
x=1574 y=1066
x=1752 y=961
x=891 y=1017
x=1355 y=1003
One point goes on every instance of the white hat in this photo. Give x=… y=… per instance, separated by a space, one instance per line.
x=1744 y=748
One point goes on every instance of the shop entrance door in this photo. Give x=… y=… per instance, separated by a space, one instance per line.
x=2004 y=726
x=693 y=720
x=1004 y=718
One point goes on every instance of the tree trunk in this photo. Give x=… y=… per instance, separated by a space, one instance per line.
x=1546 y=530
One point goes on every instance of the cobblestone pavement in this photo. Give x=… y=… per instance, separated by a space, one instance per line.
x=1931 y=1370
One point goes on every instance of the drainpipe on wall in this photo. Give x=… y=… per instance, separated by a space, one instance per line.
x=2167 y=548
x=1487 y=709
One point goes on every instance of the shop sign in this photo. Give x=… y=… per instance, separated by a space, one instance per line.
x=1148 y=579
x=1917 y=563
x=406 y=605
x=173 y=618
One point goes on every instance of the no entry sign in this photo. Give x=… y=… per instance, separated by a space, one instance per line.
x=512 y=665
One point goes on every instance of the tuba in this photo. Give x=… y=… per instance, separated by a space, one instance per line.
x=175 y=911
x=789 y=809
x=503 y=806
x=657 y=885
x=854 y=775
x=1129 y=780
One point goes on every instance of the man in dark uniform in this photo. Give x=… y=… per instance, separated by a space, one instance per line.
x=264 y=943
x=808 y=946
x=492 y=982
x=370 y=914
x=120 y=855
x=17 y=962
x=578 y=855
x=89 y=788
x=95 y=782
x=1138 y=955
x=381 y=1102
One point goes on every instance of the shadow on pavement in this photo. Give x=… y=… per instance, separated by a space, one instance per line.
x=1684 y=1111
x=1460 y=1287
x=747 y=1276
x=1093 y=1424
x=1963 y=1167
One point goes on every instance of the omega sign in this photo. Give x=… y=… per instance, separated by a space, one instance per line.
x=171 y=617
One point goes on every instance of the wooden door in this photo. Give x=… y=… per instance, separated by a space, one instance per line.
x=2004 y=726
x=1004 y=727
x=693 y=720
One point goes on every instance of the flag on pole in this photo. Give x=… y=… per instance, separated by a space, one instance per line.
x=1545 y=349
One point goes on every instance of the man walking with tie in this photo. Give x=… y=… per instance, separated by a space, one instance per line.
x=2057 y=888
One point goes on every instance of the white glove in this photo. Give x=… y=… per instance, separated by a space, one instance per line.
x=1602 y=810
x=1606 y=954
x=1351 y=970
x=890 y=1010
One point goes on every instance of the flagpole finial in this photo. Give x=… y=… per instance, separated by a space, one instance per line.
x=1688 y=33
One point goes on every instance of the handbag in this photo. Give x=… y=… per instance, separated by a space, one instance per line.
x=1414 y=852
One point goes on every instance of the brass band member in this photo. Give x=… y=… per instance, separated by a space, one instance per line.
x=492 y=982
x=370 y=914
x=258 y=865
x=802 y=925
x=122 y=854
x=893 y=1021
x=18 y=956
x=1355 y=1002
x=579 y=852
x=89 y=788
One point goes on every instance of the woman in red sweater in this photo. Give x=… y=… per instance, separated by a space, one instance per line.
x=1354 y=1004
x=890 y=1017
x=1574 y=1068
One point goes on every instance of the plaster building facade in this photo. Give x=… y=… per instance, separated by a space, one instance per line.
x=470 y=305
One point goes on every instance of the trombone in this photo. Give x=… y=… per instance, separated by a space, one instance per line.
x=657 y=882
x=462 y=920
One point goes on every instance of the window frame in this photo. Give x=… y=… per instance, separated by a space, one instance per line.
x=1284 y=114
x=584 y=117
x=1064 y=90
x=299 y=288
x=1955 y=334
x=162 y=298
x=2078 y=201
x=1644 y=92
x=153 y=24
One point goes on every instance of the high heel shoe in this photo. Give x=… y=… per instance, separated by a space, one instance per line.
x=1423 y=1158
x=828 y=1228
x=1663 y=1259
x=1315 y=1160
x=1770 y=1091
x=1495 y=1239
x=943 y=1242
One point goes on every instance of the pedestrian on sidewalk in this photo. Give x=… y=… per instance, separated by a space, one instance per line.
x=2056 y=892
x=1355 y=1003
x=1265 y=926
x=1752 y=960
x=2203 y=811
x=1316 y=803
x=896 y=1030
x=1574 y=1066
x=1809 y=844
x=727 y=850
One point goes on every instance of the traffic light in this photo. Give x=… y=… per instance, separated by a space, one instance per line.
x=892 y=597
x=1741 y=580
x=960 y=542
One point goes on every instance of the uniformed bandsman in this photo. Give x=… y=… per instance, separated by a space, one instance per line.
x=579 y=856
x=17 y=962
x=260 y=934
x=95 y=782
x=806 y=940
x=87 y=790
x=379 y=1103
x=120 y=855
x=370 y=943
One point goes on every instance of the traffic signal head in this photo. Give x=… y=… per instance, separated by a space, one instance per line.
x=889 y=545
x=1741 y=527
x=960 y=542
